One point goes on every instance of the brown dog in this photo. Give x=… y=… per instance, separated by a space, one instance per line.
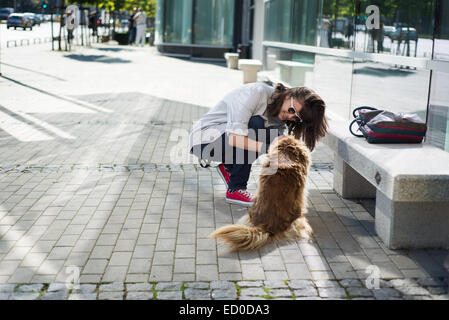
x=280 y=203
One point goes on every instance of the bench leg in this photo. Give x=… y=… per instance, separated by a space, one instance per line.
x=249 y=76
x=350 y=184
x=412 y=225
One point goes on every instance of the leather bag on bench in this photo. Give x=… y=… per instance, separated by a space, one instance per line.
x=381 y=126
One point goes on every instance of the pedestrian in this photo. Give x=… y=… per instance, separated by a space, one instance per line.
x=93 y=23
x=141 y=26
x=69 y=20
x=240 y=128
x=132 y=27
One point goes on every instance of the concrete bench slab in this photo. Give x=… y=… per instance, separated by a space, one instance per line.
x=409 y=181
x=294 y=72
x=250 y=67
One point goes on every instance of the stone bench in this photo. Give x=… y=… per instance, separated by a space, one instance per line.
x=410 y=183
x=232 y=60
x=294 y=73
x=250 y=68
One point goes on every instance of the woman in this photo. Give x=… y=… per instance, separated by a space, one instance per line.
x=244 y=123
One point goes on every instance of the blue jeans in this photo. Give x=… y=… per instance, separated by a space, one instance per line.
x=237 y=162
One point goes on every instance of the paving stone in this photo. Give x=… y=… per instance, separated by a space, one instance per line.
x=309 y=298
x=197 y=294
x=301 y=284
x=386 y=293
x=224 y=294
x=413 y=291
x=85 y=288
x=248 y=284
x=430 y=282
x=440 y=297
x=59 y=295
x=415 y=297
x=7 y=287
x=168 y=286
x=280 y=293
x=169 y=295
x=197 y=285
x=24 y=296
x=139 y=287
x=306 y=292
x=30 y=288
x=437 y=290
x=110 y=296
x=54 y=287
x=333 y=292
x=273 y=284
x=326 y=284
x=404 y=283
x=83 y=296
x=222 y=285
x=5 y=296
x=251 y=298
x=116 y=286
x=253 y=292
x=139 y=295
x=359 y=292
x=350 y=283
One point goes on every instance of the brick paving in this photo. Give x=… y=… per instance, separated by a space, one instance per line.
x=103 y=201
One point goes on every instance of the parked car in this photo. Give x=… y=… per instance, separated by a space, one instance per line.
x=388 y=30
x=404 y=33
x=5 y=12
x=16 y=20
x=33 y=17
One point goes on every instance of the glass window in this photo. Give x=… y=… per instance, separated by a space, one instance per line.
x=178 y=21
x=438 y=119
x=390 y=68
x=304 y=21
x=335 y=24
x=214 y=22
x=278 y=20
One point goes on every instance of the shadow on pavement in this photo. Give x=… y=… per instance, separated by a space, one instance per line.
x=96 y=58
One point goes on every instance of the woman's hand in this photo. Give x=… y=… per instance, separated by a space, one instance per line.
x=277 y=139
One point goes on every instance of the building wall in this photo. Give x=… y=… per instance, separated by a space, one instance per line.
x=328 y=45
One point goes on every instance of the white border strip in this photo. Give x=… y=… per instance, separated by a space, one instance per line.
x=420 y=63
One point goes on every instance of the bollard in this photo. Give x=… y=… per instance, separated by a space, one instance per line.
x=250 y=68
x=232 y=60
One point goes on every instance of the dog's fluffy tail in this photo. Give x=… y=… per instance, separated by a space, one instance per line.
x=242 y=238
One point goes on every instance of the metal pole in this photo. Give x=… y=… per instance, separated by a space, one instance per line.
x=51 y=23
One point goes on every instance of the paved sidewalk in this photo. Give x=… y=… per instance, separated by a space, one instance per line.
x=88 y=187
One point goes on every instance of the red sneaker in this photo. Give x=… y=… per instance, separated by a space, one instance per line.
x=224 y=174
x=240 y=197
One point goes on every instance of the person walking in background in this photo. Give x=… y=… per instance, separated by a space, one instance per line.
x=93 y=23
x=141 y=27
x=132 y=27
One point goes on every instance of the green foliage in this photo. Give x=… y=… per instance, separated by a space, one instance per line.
x=148 y=6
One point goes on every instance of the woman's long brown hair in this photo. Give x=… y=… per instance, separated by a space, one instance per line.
x=314 y=125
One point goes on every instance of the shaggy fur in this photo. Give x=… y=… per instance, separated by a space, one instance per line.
x=277 y=212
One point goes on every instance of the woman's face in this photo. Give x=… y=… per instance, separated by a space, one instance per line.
x=284 y=115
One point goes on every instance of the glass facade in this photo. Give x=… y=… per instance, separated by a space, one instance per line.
x=214 y=22
x=178 y=21
x=202 y=22
x=392 y=56
x=438 y=118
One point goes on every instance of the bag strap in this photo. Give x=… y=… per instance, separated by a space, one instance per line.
x=350 y=128
x=362 y=108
